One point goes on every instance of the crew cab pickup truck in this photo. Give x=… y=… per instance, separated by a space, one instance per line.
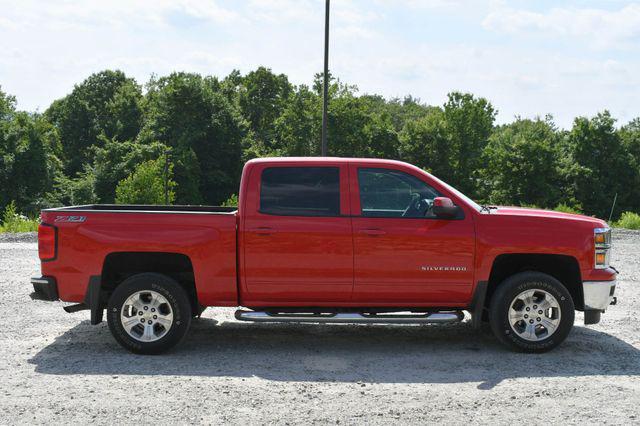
x=329 y=240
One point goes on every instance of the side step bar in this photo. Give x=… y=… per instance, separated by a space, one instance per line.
x=352 y=317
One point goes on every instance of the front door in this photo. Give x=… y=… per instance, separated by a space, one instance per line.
x=403 y=254
x=297 y=243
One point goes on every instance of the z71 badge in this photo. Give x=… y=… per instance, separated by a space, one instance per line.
x=70 y=219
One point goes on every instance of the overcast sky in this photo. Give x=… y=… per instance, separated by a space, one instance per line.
x=563 y=57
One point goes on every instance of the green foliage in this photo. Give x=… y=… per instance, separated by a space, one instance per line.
x=598 y=166
x=232 y=201
x=297 y=128
x=150 y=183
x=205 y=130
x=74 y=191
x=564 y=208
x=263 y=97
x=106 y=104
x=424 y=143
x=115 y=160
x=14 y=222
x=26 y=141
x=628 y=220
x=521 y=164
x=449 y=141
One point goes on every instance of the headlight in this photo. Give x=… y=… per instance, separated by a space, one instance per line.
x=602 y=247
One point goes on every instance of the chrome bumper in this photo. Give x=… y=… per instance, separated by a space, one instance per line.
x=598 y=294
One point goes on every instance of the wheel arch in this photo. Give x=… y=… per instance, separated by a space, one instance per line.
x=564 y=268
x=118 y=266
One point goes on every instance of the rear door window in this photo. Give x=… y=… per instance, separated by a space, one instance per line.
x=300 y=191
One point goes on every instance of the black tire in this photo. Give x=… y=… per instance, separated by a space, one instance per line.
x=501 y=302
x=174 y=294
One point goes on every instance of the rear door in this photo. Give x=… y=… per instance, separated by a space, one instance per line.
x=403 y=254
x=297 y=243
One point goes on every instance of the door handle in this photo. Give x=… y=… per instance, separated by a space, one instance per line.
x=264 y=230
x=372 y=232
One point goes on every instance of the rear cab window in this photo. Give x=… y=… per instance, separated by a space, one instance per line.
x=300 y=191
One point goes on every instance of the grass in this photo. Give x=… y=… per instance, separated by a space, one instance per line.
x=14 y=222
x=628 y=220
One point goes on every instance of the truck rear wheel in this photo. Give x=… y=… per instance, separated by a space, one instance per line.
x=531 y=312
x=149 y=313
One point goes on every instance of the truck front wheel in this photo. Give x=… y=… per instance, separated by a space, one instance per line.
x=531 y=312
x=149 y=313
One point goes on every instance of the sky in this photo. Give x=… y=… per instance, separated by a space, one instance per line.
x=566 y=58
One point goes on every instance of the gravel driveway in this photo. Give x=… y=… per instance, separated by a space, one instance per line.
x=55 y=367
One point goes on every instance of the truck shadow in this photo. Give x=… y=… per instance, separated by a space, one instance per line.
x=339 y=353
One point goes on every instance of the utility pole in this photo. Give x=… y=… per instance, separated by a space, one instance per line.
x=166 y=177
x=325 y=86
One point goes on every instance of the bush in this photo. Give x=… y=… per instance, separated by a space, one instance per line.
x=150 y=183
x=232 y=201
x=564 y=208
x=628 y=220
x=14 y=222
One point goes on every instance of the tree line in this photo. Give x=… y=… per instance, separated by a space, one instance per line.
x=183 y=138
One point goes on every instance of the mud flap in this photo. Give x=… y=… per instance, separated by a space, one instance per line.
x=477 y=304
x=592 y=316
x=93 y=299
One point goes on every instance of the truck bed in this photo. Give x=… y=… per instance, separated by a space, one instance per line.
x=92 y=236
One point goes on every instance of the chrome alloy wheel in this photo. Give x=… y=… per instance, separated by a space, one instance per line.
x=146 y=316
x=534 y=315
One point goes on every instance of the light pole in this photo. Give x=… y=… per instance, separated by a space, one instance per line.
x=325 y=85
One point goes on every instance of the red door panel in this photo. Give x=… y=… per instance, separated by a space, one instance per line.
x=407 y=261
x=295 y=259
x=301 y=259
x=412 y=261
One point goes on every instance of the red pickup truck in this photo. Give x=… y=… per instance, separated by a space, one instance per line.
x=329 y=240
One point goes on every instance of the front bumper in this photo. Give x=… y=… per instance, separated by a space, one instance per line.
x=44 y=288
x=598 y=294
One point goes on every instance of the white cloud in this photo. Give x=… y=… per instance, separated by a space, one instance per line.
x=600 y=28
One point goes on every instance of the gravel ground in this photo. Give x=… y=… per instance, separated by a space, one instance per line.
x=55 y=367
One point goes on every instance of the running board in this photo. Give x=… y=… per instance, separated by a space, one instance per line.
x=352 y=317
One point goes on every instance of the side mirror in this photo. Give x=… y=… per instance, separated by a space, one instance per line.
x=444 y=208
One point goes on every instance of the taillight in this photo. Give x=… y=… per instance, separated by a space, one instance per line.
x=47 y=235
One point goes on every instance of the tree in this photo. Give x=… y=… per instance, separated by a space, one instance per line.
x=630 y=138
x=74 y=191
x=602 y=167
x=522 y=165
x=26 y=140
x=298 y=127
x=115 y=161
x=191 y=115
x=106 y=104
x=262 y=98
x=150 y=183
x=468 y=125
x=449 y=141
x=424 y=143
